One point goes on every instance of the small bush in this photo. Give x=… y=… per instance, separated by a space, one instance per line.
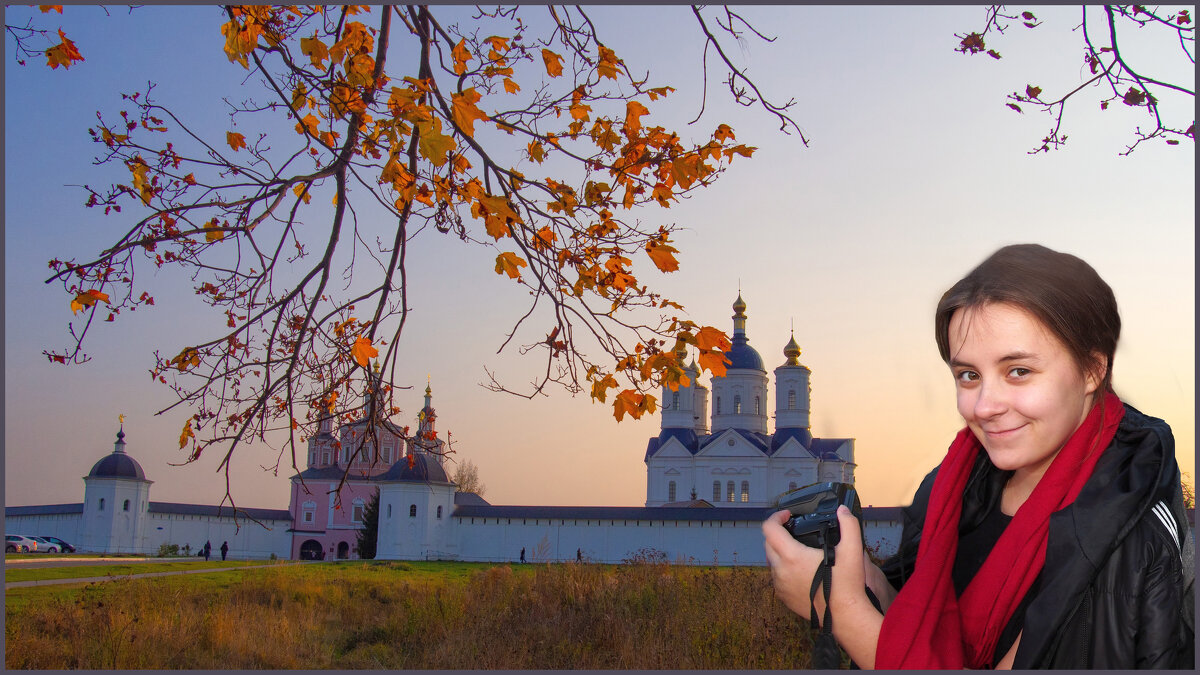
x=168 y=550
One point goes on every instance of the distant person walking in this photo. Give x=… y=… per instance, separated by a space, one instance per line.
x=207 y=549
x=522 y=554
x=224 y=549
x=578 y=555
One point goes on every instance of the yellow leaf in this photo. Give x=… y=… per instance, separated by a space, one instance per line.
x=212 y=232
x=553 y=63
x=187 y=433
x=723 y=132
x=536 y=152
x=301 y=190
x=235 y=140
x=362 y=351
x=87 y=299
x=544 y=238
x=308 y=125
x=433 y=145
x=315 y=50
x=62 y=54
x=510 y=263
x=510 y=86
x=465 y=111
x=600 y=387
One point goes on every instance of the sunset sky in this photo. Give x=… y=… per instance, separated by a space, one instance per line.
x=915 y=172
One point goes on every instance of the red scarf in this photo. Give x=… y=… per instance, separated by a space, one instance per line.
x=927 y=626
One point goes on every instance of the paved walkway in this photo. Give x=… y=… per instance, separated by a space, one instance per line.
x=114 y=577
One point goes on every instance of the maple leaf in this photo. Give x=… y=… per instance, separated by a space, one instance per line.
x=663 y=255
x=553 y=63
x=213 y=233
x=510 y=263
x=87 y=299
x=544 y=238
x=607 y=67
x=461 y=56
x=714 y=362
x=362 y=351
x=62 y=54
x=633 y=403
x=536 y=152
x=709 y=338
x=465 y=111
x=315 y=50
x=723 y=132
x=308 y=125
x=235 y=140
x=1134 y=97
x=186 y=434
x=510 y=86
x=972 y=44
x=600 y=387
x=633 y=117
x=1032 y=91
x=434 y=146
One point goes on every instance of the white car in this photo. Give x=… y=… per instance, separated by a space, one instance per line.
x=46 y=545
x=17 y=543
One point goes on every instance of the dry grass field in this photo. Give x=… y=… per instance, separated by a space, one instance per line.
x=386 y=615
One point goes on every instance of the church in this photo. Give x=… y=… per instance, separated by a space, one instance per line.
x=731 y=455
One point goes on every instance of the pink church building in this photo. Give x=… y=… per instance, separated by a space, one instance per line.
x=325 y=526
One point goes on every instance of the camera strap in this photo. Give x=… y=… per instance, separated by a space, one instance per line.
x=826 y=654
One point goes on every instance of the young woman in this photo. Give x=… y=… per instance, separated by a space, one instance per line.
x=1053 y=534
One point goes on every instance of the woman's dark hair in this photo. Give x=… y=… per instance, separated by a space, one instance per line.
x=1059 y=289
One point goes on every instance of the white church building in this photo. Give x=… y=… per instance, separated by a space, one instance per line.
x=711 y=479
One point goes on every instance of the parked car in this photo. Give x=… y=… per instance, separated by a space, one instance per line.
x=45 y=545
x=63 y=547
x=19 y=543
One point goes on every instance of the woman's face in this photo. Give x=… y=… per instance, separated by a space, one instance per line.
x=1019 y=389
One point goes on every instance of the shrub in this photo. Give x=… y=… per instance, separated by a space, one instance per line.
x=167 y=550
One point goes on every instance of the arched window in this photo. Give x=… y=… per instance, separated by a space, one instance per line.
x=102 y=503
x=716 y=492
x=757 y=405
x=357 y=512
x=412 y=511
x=718 y=408
x=439 y=512
x=745 y=491
x=729 y=491
x=125 y=506
x=675 y=400
x=671 y=491
x=737 y=403
x=791 y=399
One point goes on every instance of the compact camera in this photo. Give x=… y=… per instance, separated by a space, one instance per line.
x=814 y=512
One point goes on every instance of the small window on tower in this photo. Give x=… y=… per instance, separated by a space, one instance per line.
x=757 y=405
x=412 y=511
x=389 y=510
x=729 y=491
x=791 y=399
x=671 y=491
x=675 y=401
x=716 y=490
x=102 y=503
x=439 y=512
x=737 y=404
x=125 y=506
x=745 y=491
x=717 y=410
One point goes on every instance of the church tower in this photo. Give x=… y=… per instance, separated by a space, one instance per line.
x=687 y=406
x=792 y=390
x=116 y=497
x=740 y=398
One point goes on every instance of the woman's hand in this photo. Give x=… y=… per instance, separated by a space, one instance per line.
x=793 y=565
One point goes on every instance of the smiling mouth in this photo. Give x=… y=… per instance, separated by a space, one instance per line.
x=1002 y=433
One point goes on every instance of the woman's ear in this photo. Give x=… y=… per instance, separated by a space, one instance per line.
x=1095 y=374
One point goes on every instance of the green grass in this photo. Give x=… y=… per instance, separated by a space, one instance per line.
x=427 y=615
x=17 y=573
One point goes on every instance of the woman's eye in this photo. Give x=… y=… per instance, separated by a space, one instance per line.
x=967 y=376
x=1019 y=372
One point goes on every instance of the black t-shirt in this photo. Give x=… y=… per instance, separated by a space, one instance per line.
x=973 y=549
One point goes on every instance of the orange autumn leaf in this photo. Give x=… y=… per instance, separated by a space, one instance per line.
x=709 y=338
x=600 y=387
x=633 y=117
x=663 y=255
x=544 y=238
x=186 y=434
x=62 y=54
x=433 y=144
x=212 y=232
x=510 y=263
x=362 y=351
x=714 y=362
x=87 y=299
x=632 y=403
x=553 y=63
x=607 y=67
x=46 y=9
x=465 y=111
x=510 y=86
x=723 y=132
x=461 y=56
x=235 y=140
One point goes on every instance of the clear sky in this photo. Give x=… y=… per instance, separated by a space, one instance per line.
x=916 y=171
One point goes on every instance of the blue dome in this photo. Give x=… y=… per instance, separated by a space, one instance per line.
x=742 y=355
x=117 y=465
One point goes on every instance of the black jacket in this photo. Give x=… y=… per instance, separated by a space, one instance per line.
x=1112 y=593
